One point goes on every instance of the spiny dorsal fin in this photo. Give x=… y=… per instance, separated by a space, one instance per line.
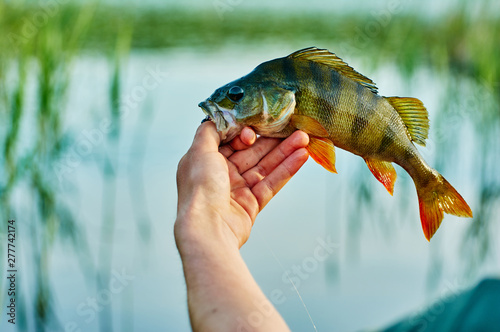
x=414 y=115
x=334 y=62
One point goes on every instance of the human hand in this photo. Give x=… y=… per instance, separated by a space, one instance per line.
x=222 y=189
x=220 y=192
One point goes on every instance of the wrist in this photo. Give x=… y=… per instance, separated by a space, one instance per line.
x=200 y=233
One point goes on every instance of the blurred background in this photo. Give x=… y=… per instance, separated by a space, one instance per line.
x=98 y=102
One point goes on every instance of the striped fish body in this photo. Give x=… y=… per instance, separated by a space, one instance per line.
x=357 y=120
x=315 y=91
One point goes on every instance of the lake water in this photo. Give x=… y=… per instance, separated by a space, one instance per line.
x=379 y=269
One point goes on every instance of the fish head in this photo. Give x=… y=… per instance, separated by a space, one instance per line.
x=249 y=101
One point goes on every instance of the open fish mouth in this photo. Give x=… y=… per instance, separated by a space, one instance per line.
x=223 y=119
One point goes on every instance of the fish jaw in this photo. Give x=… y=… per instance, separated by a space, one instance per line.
x=224 y=120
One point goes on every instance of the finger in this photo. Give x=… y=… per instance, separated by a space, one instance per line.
x=241 y=142
x=206 y=138
x=248 y=136
x=272 y=184
x=248 y=158
x=296 y=141
x=244 y=140
x=226 y=150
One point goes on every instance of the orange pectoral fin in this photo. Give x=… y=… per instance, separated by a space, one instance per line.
x=308 y=125
x=322 y=151
x=384 y=172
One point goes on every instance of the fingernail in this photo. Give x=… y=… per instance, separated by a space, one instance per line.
x=254 y=137
x=207 y=118
x=249 y=134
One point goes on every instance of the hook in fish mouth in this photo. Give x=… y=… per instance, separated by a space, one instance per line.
x=224 y=120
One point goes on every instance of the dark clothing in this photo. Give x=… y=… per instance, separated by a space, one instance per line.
x=475 y=310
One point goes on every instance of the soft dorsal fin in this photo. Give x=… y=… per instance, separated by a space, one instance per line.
x=414 y=115
x=329 y=59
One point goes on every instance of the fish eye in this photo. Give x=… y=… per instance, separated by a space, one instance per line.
x=235 y=93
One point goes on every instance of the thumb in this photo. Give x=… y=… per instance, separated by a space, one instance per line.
x=206 y=138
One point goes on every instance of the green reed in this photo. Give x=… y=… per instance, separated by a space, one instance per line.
x=110 y=169
x=44 y=54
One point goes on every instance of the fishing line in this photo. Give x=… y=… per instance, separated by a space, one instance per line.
x=295 y=287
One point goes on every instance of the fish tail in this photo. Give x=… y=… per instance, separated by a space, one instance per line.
x=435 y=198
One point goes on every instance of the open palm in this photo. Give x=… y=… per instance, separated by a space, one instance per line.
x=232 y=183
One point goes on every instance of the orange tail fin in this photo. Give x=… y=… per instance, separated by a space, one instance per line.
x=436 y=198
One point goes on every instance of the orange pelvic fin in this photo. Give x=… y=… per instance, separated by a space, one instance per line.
x=436 y=198
x=322 y=151
x=384 y=172
x=308 y=125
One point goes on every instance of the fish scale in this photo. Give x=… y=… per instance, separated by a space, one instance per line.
x=315 y=91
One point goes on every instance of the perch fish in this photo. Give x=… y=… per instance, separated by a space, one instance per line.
x=315 y=91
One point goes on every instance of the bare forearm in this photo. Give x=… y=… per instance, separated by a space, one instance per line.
x=222 y=294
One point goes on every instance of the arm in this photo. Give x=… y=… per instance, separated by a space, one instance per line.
x=221 y=191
